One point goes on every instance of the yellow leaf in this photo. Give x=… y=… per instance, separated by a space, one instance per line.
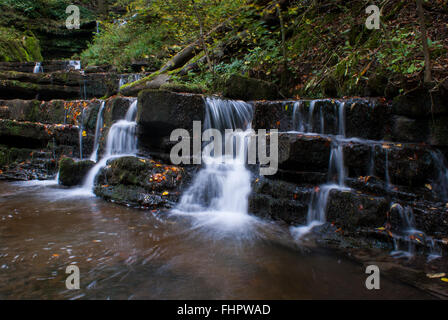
x=444 y=279
x=84 y=133
x=428 y=186
x=382 y=228
x=165 y=193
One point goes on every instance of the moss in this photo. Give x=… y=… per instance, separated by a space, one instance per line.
x=16 y=46
x=183 y=87
x=141 y=81
x=72 y=173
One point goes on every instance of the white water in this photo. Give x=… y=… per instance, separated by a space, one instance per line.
x=407 y=235
x=218 y=195
x=318 y=204
x=440 y=183
x=74 y=64
x=98 y=129
x=121 y=141
x=38 y=68
x=124 y=79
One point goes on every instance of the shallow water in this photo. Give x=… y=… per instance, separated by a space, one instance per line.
x=125 y=253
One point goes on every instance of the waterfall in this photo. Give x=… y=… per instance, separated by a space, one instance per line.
x=386 y=170
x=74 y=64
x=124 y=79
x=408 y=234
x=121 y=141
x=219 y=192
x=38 y=68
x=440 y=183
x=310 y=116
x=99 y=127
x=318 y=204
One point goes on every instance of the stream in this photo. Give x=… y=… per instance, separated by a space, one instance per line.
x=125 y=253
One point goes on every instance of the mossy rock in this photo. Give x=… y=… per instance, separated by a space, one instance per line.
x=72 y=173
x=244 y=88
x=183 y=87
x=16 y=46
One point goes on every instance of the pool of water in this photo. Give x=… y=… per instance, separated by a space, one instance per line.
x=125 y=253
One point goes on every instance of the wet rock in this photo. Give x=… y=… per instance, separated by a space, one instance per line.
x=140 y=182
x=160 y=112
x=244 y=88
x=279 y=200
x=420 y=103
x=366 y=118
x=351 y=210
x=303 y=152
x=72 y=173
x=439 y=131
x=409 y=130
x=49 y=112
x=115 y=109
x=273 y=115
x=12 y=89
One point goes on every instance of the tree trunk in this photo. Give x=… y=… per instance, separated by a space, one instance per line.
x=424 y=38
x=201 y=31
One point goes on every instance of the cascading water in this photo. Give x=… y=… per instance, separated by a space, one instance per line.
x=336 y=171
x=74 y=64
x=219 y=193
x=124 y=79
x=408 y=234
x=98 y=128
x=38 y=68
x=440 y=183
x=121 y=141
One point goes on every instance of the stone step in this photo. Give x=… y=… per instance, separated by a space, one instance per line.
x=405 y=163
x=57 y=85
x=366 y=118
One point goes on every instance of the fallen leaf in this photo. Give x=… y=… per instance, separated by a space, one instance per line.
x=435 y=275
x=428 y=186
x=165 y=193
x=444 y=279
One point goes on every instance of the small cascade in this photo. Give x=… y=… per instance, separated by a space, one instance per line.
x=386 y=170
x=121 y=141
x=408 y=235
x=38 y=68
x=98 y=129
x=336 y=172
x=81 y=132
x=341 y=118
x=219 y=192
x=310 y=116
x=124 y=79
x=297 y=118
x=97 y=27
x=407 y=232
x=74 y=65
x=440 y=183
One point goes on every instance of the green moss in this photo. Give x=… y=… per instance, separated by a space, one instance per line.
x=17 y=46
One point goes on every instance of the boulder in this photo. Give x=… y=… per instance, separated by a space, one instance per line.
x=351 y=210
x=244 y=88
x=298 y=152
x=140 y=182
x=160 y=112
x=72 y=173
